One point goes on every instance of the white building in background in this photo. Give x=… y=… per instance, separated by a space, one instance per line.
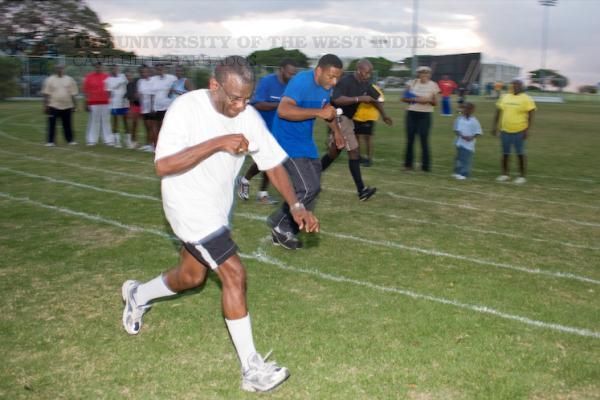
x=498 y=72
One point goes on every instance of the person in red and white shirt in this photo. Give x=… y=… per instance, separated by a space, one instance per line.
x=97 y=100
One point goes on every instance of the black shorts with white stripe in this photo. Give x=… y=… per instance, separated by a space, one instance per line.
x=214 y=249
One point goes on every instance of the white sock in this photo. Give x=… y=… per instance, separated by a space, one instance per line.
x=262 y=194
x=240 y=331
x=244 y=180
x=151 y=290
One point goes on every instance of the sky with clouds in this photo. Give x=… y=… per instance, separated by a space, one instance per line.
x=507 y=31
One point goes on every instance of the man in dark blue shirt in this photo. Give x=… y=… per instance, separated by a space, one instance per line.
x=306 y=98
x=266 y=99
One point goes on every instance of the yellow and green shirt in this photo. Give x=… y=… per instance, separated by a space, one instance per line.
x=515 y=112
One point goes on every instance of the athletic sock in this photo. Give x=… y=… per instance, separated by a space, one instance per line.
x=151 y=290
x=244 y=180
x=354 y=166
x=240 y=331
x=326 y=162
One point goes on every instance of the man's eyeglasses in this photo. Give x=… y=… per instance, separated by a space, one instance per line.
x=234 y=99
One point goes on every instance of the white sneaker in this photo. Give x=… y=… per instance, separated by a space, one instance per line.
x=265 y=198
x=460 y=177
x=50 y=144
x=520 y=180
x=73 y=143
x=262 y=376
x=243 y=188
x=132 y=313
x=502 y=178
x=117 y=140
x=455 y=175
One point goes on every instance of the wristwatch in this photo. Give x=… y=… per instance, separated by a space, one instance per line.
x=297 y=206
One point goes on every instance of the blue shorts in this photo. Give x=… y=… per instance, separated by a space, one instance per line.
x=119 y=111
x=513 y=139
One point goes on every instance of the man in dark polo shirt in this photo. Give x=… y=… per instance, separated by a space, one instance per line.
x=348 y=94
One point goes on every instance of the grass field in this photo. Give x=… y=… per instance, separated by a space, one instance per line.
x=434 y=289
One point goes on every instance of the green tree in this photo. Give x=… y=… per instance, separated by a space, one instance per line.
x=9 y=75
x=549 y=75
x=66 y=27
x=274 y=56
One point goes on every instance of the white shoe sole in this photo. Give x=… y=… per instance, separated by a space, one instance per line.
x=282 y=377
x=125 y=296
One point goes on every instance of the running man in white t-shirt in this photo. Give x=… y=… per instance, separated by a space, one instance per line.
x=201 y=149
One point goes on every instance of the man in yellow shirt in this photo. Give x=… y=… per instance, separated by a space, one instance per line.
x=364 y=126
x=515 y=112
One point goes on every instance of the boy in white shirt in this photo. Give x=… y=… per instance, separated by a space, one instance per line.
x=467 y=128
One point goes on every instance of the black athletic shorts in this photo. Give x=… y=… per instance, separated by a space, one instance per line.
x=214 y=249
x=364 y=128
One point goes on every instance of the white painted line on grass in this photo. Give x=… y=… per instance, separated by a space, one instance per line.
x=101 y=170
x=495 y=195
x=485 y=231
x=80 y=185
x=86 y=153
x=437 y=253
x=512 y=213
x=419 y=221
x=261 y=257
x=564 y=275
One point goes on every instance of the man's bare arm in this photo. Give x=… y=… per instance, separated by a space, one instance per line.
x=192 y=156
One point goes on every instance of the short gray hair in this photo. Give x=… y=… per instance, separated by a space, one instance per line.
x=236 y=65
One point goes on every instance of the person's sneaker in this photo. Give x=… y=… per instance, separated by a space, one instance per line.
x=264 y=198
x=520 y=180
x=132 y=313
x=243 y=188
x=262 y=376
x=50 y=144
x=366 y=193
x=502 y=178
x=73 y=143
x=460 y=177
x=367 y=162
x=287 y=240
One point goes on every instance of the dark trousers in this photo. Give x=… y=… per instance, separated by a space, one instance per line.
x=418 y=124
x=65 y=117
x=305 y=174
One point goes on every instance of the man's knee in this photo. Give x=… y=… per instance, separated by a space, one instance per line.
x=232 y=274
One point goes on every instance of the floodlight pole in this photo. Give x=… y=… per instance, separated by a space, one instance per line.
x=546 y=4
x=413 y=65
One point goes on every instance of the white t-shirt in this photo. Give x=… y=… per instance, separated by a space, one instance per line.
x=198 y=202
x=467 y=127
x=428 y=90
x=145 y=88
x=117 y=86
x=162 y=87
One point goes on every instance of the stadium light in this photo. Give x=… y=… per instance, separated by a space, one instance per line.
x=415 y=31
x=546 y=4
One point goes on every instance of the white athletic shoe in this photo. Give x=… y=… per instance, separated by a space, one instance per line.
x=502 y=178
x=520 y=180
x=262 y=376
x=50 y=144
x=132 y=313
x=460 y=177
x=243 y=188
x=117 y=140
